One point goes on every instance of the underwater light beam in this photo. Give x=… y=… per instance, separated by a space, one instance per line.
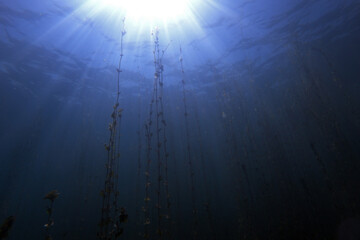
x=149 y=9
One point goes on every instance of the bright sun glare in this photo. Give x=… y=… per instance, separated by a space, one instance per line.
x=150 y=9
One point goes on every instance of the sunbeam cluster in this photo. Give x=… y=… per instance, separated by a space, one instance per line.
x=148 y=9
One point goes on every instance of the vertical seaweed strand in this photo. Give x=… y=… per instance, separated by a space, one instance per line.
x=204 y=169
x=166 y=214
x=148 y=138
x=52 y=195
x=158 y=72
x=111 y=215
x=139 y=156
x=188 y=150
x=223 y=98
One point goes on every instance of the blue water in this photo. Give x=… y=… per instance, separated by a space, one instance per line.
x=256 y=136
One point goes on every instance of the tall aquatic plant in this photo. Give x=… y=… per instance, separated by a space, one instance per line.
x=111 y=215
x=157 y=124
x=139 y=156
x=204 y=160
x=188 y=151
x=51 y=196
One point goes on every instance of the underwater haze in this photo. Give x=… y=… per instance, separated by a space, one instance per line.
x=236 y=119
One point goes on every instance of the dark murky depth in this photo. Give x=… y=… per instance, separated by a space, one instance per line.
x=265 y=146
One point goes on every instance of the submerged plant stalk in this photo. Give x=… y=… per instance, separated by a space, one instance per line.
x=111 y=215
x=188 y=150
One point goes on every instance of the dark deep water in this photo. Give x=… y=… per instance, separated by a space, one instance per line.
x=258 y=139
